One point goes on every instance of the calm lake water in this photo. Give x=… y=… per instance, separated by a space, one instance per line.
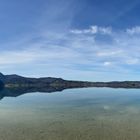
x=75 y=114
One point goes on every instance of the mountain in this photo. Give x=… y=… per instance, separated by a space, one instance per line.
x=16 y=81
x=20 y=81
x=2 y=77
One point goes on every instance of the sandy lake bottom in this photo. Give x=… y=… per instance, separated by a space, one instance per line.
x=75 y=114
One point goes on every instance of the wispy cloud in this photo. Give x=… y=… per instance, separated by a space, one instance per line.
x=93 y=30
x=74 y=54
x=109 y=53
x=133 y=30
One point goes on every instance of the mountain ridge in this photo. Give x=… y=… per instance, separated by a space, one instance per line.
x=14 y=80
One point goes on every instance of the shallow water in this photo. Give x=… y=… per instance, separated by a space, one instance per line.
x=75 y=114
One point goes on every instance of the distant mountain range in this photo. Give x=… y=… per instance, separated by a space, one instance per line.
x=16 y=81
x=15 y=85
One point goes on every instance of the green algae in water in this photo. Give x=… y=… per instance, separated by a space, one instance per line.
x=77 y=114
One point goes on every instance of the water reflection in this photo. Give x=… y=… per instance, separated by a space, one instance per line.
x=15 y=92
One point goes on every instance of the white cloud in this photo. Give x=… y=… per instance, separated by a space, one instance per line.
x=109 y=53
x=107 y=63
x=84 y=31
x=105 y=30
x=133 y=30
x=93 y=30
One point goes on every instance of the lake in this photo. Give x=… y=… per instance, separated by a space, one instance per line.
x=73 y=114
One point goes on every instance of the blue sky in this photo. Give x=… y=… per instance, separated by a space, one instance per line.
x=95 y=40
